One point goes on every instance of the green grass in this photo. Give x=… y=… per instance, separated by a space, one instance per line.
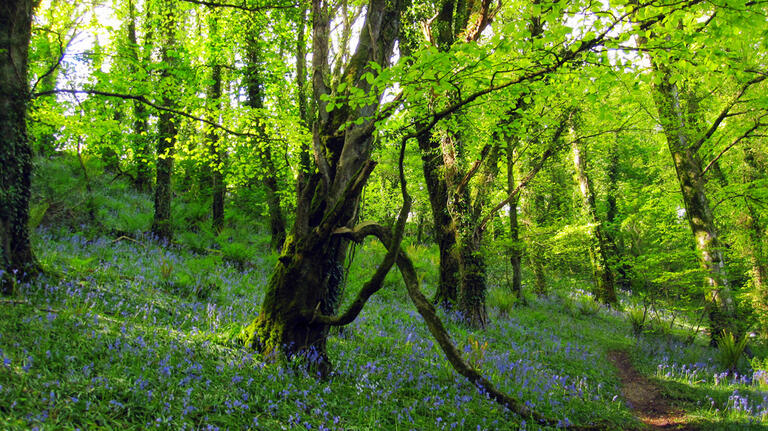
x=123 y=333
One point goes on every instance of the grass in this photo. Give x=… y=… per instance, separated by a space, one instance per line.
x=108 y=343
x=124 y=333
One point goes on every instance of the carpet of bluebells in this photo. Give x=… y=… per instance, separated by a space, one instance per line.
x=127 y=334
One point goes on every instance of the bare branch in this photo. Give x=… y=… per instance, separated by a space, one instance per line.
x=732 y=144
x=147 y=102
x=62 y=54
x=243 y=7
x=724 y=114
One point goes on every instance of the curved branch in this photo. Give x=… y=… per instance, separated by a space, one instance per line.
x=724 y=113
x=436 y=327
x=147 y=102
x=731 y=145
x=242 y=7
x=357 y=234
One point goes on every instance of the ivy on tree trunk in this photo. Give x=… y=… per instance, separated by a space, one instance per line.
x=16 y=257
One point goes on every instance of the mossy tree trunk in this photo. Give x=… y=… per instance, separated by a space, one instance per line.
x=16 y=257
x=166 y=126
x=442 y=170
x=472 y=263
x=306 y=278
x=754 y=224
x=683 y=149
x=447 y=292
x=605 y=290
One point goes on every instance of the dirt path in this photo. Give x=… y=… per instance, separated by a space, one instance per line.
x=645 y=398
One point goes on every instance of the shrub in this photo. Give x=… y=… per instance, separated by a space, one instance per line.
x=637 y=319
x=502 y=300
x=588 y=306
x=237 y=253
x=729 y=350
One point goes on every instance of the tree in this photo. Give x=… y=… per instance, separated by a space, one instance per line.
x=598 y=247
x=141 y=145
x=16 y=257
x=254 y=83
x=306 y=279
x=166 y=123
x=685 y=128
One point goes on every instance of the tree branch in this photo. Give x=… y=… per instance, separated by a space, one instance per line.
x=357 y=234
x=62 y=54
x=242 y=7
x=731 y=145
x=724 y=114
x=147 y=102
x=472 y=171
x=443 y=338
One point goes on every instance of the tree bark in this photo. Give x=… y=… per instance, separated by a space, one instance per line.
x=167 y=128
x=471 y=258
x=442 y=171
x=16 y=258
x=307 y=276
x=447 y=292
x=605 y=291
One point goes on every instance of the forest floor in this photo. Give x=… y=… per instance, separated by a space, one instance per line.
x=123 y=332
x=645 y=398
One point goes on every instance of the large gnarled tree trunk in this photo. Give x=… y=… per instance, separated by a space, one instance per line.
x=16 y=257
x=307 y=276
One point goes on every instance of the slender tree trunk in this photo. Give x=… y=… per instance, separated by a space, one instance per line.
x=697 y=208
x=141 y=147
x=535 y=214
x=756 y=234
x=217 y=153
x=167 y=130
x=16 y=258
x=614 y=251
x=254 y=87
x=598 y=249
x=447 y=292
x=305 y=157
x=516 y=248
x=307 y=276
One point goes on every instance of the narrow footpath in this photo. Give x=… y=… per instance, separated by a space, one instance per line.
x=645 y=398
